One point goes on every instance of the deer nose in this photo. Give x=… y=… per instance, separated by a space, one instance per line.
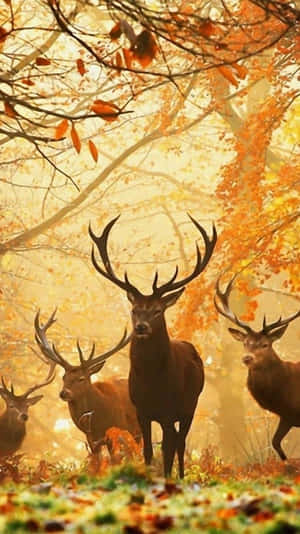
x=248 y=359
x=23 y=416
x=141 y=328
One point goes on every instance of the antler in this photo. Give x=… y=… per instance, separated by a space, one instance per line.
x=92 y=363
x=199 y=267
x=108 y=271
x=49 y=351
x=5 y=388
x=279 y=323
x=226 y=311
x=48 y=380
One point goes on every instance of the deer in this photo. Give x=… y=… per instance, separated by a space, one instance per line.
x=272 y=382
x=93 y=407
x=13 y=419
x=166 y=376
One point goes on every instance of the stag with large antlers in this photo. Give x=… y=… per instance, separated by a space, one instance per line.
x=166 y=376
x=94 y=407
x=13 y=419
x=272 y=382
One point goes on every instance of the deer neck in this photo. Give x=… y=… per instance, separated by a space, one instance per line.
x=271 y=359
x=83 y=404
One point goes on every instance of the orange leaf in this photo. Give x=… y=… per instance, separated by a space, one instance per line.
x=42 y=61
x=9 y=110
x=226 y=513
x=80 y=66
x=115 y=32
x=128 y=57
x=107 y=110
x=240 y=70
x=119 y=60
x=227 y=73
x=93 y=150
x=3 y=34
x=75 y=139
x=207 y=29
x=27 y=81
x=61 y=129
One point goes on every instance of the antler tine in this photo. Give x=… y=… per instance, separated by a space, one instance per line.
x=81 y=358
x=108 y=271
x=102 y=357
x=224 y=299
x=164 y=287
x=279 y=323
x=92 y=353
x=6 y=388
x=49 y=379
x=200 y=262
x=40 y=336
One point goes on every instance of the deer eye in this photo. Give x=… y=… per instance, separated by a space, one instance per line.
x=265 y=345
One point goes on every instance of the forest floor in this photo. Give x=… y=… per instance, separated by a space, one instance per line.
x=214 y=498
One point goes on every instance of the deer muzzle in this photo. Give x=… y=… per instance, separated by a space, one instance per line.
x=248 y=359
x=142 y=329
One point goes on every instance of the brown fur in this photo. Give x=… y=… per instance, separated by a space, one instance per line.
x=165 y=380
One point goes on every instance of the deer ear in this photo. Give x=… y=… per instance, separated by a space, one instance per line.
x=34 y=400
x=278 y=333
x=237 y=334
x=169 y=300
x=96 y=368
x=130 y=297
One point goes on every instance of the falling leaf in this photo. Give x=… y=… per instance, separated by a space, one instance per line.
x=42 y=61
x=75 y=139
x=93 y=150
x=107 y=110
x=227 y=73
x=9 y=110
x=80 y=66
x=240 y=70
x=61 y=129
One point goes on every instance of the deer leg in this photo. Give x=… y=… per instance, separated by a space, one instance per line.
x=169 y=446
x=281 y=431
x=184 y=426
x=145 y=425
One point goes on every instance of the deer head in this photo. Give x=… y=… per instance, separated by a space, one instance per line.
x=257 y=344
x=17 y=405
x=76 y=377
x=148 y=310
